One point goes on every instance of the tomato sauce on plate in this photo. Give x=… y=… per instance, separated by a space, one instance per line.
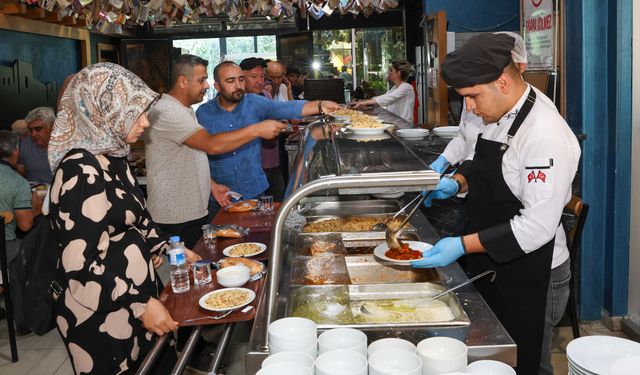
x=403 y=253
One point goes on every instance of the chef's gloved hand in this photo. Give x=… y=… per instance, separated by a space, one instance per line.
x=440 y=164
x=447 y=187
x=443 y=253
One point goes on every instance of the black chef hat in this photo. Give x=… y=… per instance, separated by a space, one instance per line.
x=480 y=60
x=252 y=62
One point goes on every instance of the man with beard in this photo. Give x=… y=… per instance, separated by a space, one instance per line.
x=179 y=183
x=241 y=170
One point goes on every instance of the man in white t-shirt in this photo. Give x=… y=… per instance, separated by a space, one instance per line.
x=176 y=148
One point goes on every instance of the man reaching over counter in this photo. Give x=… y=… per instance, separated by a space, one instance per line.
x=518 y=183
x=241 y=169
x=179 y=183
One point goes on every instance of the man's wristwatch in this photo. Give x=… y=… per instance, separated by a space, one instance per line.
x=320 y=107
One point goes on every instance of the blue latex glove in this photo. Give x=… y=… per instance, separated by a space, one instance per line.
x=440 y=164
x=447 y=187
x=445 y=252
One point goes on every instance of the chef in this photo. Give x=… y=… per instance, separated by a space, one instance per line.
x=517 y=183
x=461 y=147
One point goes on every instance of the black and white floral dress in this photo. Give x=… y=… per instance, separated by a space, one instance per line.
x=98 y=215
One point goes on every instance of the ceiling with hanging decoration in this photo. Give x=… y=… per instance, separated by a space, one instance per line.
x=112 y=16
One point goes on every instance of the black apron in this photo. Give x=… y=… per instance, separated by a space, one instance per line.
x=518 y=294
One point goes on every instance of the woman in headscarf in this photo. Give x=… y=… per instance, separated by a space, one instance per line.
x=108 y=311
x=401 y=97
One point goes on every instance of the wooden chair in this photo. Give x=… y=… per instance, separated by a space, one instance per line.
x=4 y=268
x=579 y=210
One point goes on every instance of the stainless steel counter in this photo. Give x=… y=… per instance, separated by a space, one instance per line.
x=485 y=336
x=332 y=164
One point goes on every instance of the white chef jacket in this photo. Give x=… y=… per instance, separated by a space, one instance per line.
x=538 y=167
x=463 y=146
x=399 y=100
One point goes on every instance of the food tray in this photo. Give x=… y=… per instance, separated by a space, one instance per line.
x=320 y=245
x=340 y=306
x=326 y=270
x=366 y=269
x=312 y=210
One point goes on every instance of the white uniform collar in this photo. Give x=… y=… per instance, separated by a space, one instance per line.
x=508 y=117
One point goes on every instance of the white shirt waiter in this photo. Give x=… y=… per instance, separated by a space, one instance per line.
x=517 y=182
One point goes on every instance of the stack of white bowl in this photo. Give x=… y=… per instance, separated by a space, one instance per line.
x=293 y=334
x=293 y=363
x=393 y=356
x=441 y=355
x=596 y=355
x=342 y=351
x=489 y=367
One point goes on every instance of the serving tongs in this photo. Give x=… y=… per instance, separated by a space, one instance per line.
x=379 y=227
x=391 y=235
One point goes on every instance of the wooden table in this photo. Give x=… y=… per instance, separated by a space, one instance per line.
x=184 y=306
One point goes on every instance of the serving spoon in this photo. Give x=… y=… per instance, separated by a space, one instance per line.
x=445 y=292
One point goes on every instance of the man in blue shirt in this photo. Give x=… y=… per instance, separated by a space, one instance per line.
x=241 y=169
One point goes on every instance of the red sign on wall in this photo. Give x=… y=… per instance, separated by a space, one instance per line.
x=538 y=30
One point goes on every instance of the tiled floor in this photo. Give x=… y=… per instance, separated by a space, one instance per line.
x=46 y=355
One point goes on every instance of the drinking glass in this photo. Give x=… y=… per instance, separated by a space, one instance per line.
x=208 y=235
x=201 y=272
x=267 y=203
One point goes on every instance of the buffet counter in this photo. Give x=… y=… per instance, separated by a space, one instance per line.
x=336 y=175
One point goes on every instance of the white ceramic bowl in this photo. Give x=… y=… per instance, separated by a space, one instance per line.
x=311 y=350
x=343 y=339
x=489 y=367
x=293 y=333
x=300 y=358
x=341 y=362
x=394 y=361
x=285 y=368
x=234 y=276
x=441 y=355
x=391 y=343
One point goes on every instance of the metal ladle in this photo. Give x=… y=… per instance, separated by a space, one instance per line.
x=379 y=227
x=364 y=310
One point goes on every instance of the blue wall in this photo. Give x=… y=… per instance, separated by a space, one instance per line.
x=477 y=15
x=52 y=58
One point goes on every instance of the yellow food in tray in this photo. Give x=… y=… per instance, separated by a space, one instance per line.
x=350 y=224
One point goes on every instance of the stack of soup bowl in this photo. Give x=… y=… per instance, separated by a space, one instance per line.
x=393 y=356
x=293 y=334
x=342 y=351
x=442 y=355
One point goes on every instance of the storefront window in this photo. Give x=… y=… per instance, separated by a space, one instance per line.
x=374 y=50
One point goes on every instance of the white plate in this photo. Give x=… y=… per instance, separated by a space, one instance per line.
x=251 y=295
x=367 y=131
x=625 y=366
x=414 y=245
x=369 y=138
x=596 y=354
x=227 y=250
x=389 y=195
x=412 y=133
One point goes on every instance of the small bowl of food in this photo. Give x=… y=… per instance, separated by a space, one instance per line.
x=255 y=268
x=233 y=276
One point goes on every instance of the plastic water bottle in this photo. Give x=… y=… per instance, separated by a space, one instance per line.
x=179 y=269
